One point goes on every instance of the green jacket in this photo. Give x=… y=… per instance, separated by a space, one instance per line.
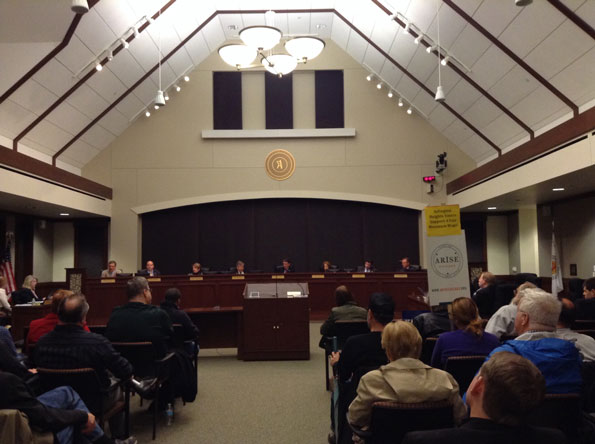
x=348 y=312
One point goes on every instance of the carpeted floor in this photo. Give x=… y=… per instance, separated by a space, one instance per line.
x=248 y=402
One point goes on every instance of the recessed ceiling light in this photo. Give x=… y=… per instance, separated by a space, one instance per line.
x=492 y=208
x=232 y=27
x=557 y=189
x=64 y=214
x=320 y=26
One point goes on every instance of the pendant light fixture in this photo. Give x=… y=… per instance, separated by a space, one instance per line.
x=159 y=98
x=440 y=97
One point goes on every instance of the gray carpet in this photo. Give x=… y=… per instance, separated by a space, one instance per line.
x=248 y=402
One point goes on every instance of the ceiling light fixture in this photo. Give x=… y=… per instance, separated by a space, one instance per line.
x=258 y=39
x=79 y=6
x=166 y=96
x=390 y=94
x=148 y=113
x=98 y=66
x=379 y=85
x=445 y=61
x=492 y=208
x=558 y=189
x=400 y=101
x=124 y=43
x=159 y=98
x=409 y=110
x=110 y=55
x=150 y=19
x=407 y=28
x=186 y=79
x=369 y=77
x=522 y=2
x=136 y=32
x=439 y=97
x=417 y=39
x=64 y=214
x=431 y=48
x=177 y=87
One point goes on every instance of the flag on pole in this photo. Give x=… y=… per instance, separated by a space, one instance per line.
x=6 y=266
x=557 y=285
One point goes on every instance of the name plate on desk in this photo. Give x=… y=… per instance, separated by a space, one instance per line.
x=402 y=275
x=237 y=278
x=358 y=276
x=278 y=276
x=318 y=276
x=108 y=281
x=195 y=278
x=153 y=279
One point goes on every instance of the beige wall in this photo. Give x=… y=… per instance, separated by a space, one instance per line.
x=162 y=161
x=43 y=250
x=497 y=244
x=63 y=253
x=528 y=240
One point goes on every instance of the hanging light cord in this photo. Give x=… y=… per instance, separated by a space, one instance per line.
x=159 y=16
x=439 y=47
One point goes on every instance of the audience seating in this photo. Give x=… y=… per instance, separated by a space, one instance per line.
x=86 y=383
x=98 y=329
x=463 y=369
x=427 y=349
x=392 y=420
x=503 y=295
x=146 y=365
x=575 y=288
x=584 y=324
x=521 y=278
x=182 y=344
x=343 y=330
x=560 y=411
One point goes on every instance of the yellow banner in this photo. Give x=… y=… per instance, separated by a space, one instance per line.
x=443 y=220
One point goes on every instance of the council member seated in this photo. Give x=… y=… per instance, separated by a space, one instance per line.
x=368 y=267
x=405 y=379
x=240 y=268
x=406 y=266
x=196 y=269
x=150 y=270
x=285 y=267
x=27 y=293
x=111 y=271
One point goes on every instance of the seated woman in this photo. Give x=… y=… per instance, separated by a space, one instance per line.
x=346 y=310
x=196 y=270
x=468 y=338
x=5 y=308
x=27 y=293
x=405 y=379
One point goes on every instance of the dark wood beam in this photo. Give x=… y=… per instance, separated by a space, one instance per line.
x=570 y=15
x=18 y=162
x=513 y=56
x=548 y=141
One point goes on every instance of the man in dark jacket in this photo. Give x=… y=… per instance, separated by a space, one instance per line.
x=177 y=316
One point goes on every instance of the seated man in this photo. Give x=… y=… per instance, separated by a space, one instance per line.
x=502 y=322
x=558 y=360
x=111 y=271
x=42 y=326
x=240 y=268
x=150 y=270
x=405 y=379
x=433 y=323
x=138 y=320
x=285 y=267
x=196 y=269
x=584 y=343
x=177 y=316
x=346 y=310
x=70 y=346
x=585 y=307
x=484 y=296
x=368 y=267
x=406 y=265
x=500 y=396
x=60 y=411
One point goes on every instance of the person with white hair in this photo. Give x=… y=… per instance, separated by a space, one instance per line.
x=558 y=360
x=502 y=322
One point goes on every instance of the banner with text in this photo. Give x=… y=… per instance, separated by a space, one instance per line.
x=446 y=253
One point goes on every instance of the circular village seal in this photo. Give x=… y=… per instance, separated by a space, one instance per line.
x=280 y=164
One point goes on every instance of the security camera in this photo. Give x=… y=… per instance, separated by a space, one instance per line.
x=441 y=163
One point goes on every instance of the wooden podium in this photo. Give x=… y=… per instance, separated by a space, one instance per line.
x=275 y=327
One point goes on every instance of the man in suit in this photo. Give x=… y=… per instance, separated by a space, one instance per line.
x=240 y=268
x=150 y=270
x=286 y=266
x=406 y=265
x=585 y=307
x=368 y=267
x=500 y=396
x=484 y=297
x=111 y=270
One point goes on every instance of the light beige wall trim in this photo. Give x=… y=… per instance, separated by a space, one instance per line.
x=306 y=194
x=279 y=133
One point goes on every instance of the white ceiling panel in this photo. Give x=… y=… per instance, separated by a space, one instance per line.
x=514 y=86
x=75 y=56
x=321 y=24
x=49 y=135
x=94 y=32
x=462 y=96
x=115 y=122
x=296 y=23
x=425 y=103
x=126 y=68
x=391 y=74
x=145 y=7
x=490 y=67
x=258 y=19
x=81 y=152
x=451 y=26
x=496 y=16
x=457 y=132
x=558 y=117
x=356 y=47
x=107 y=85
x=164 y=30
x=482 y=113
x=469 y=46
x=347 y=8
x=369 y=15
x=197 y=49
x=530 y=27
x=144 y=51
x=340 y=33
x=180 y=62
x=130 y=106
x=441 y=118
x=55 y=77
x=384 y=33
x=228 y=21
x=33 y=145
x=476 y=145
x=213 y=35
x=98 y=137
x=374 y=59
x=469 y=6
x=587 y=12
x=422 y=13
x=576 y=81
x=408 y=87
x=500 y=130
x=34 y=97
x=537 y=106
x=14 y=118
x=422 y=65
x=88 y=101
x=403 y=49
x=68 y=118
x=117 y=14
x=560 y=49
x=167 y=76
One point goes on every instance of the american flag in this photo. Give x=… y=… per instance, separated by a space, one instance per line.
x=6 y=267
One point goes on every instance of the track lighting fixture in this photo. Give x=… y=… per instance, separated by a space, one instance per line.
x=369 y=77
x=166 y=96
x=150 y=20
x=186 y=79
x=156 y=106
x=124 y=43
x=110 y=55
x=136 y=32
x=522 y=2
x=379 y=85
x=400 y=102
x=98 y=66
x=409 y=110
x=407 y=28
x=431 y=48
x=390 y=94
x=177 y=88
x=148 y=113
x=417 y=39
x=445 y=61
x=79 y=6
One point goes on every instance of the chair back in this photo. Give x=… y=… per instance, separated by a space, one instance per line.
x=463 y=369
x=392 y=420
x=83 y=380
x=559 y=411
x=427 y=348
x=584 y=324
x=575 y=288
x=410 y=314
x=345 y=329
x=142 y=356
x=98 y=329
x=503 y=295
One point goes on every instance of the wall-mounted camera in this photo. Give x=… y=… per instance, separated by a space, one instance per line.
x=441 y=163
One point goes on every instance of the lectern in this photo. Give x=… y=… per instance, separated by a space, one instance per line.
x=276 y=321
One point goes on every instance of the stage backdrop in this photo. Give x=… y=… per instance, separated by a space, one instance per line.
x=263 y=231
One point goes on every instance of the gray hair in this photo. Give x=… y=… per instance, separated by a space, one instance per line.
x=135 y=286
x=543 y=308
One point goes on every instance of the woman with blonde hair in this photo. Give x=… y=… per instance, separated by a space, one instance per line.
x=27 y=292
x=468 y=338
x=405 y=379
x=5 y=309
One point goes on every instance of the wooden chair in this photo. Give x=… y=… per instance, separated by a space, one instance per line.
x=147 y=365
x=343 y=330
x=184 y=344
x=86 y=383
x=392 y=420
x=463 y=369
x=560 y=411
x=427 y=348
